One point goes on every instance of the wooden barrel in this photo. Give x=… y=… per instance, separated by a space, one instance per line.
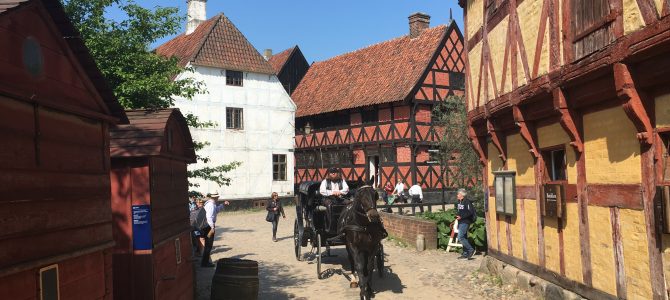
x=235 y=279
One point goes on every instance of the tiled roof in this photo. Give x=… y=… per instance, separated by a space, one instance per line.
x=381 y=73
x=278 y=60
x=216 y=43
x=79 y=49
x=145 y=134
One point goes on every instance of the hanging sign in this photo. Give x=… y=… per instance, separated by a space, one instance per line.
x=553 y=198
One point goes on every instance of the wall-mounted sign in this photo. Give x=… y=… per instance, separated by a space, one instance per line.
x=142 y=227
x=505 y=192
x=553 y=199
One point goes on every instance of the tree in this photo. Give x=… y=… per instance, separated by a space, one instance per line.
x=456 y=152
x=140 y=78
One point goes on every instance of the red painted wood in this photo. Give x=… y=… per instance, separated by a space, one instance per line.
x=508 y=231
x=619 y=195
x=561 y=246
x=522 y=219
x=617 y=241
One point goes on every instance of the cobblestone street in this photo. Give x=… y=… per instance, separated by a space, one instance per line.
x=409 y=274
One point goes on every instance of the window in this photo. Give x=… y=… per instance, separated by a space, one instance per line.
x=344 y=157
x=49 y=283
x=369 y=116
x=387 y=155
x=234 y=78
x=279 y=167
x=234 y=118
x=554 y=160
x=591 y=26
x=504 y=184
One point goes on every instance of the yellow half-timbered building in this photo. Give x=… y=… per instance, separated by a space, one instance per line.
x=569 y=109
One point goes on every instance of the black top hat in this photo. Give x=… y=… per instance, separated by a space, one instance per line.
x=333 y=170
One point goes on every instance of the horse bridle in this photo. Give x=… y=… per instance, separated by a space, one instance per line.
x=361 y=204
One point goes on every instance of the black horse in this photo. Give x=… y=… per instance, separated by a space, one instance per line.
x=363 y=231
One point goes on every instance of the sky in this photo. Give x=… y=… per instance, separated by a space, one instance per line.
x=322 y=29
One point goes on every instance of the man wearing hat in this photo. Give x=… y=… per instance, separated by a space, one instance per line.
x=211 y=210
x=333 y=188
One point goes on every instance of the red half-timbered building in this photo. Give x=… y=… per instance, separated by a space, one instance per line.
x=55 y=112
x=370 y=111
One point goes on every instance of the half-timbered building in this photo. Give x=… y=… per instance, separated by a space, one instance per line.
x=290 y=66
x=55 y=113
x=369 y=111
x=569 y=109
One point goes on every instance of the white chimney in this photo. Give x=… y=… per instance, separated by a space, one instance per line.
x=267 y=54
x=197 y=13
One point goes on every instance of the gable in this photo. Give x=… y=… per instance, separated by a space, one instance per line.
x=37 y=63
x=446 y=75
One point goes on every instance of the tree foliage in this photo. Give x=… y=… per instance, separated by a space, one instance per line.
x=456 y=150
x=140 y=78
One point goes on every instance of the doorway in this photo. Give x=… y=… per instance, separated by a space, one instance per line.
x=373 y=170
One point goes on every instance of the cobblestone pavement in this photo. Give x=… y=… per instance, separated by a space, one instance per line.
x=409 y=274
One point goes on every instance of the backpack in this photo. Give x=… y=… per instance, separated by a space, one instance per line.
x=473 y=210
x=198 y=219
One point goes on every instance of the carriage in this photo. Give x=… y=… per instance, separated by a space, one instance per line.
x=312 y=227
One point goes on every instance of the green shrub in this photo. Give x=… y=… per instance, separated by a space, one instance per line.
x=476 y=231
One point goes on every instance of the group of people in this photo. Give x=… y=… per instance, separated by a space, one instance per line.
x=203 y=222
x=398 y=194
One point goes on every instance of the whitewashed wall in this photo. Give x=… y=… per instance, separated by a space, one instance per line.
x=269 y=119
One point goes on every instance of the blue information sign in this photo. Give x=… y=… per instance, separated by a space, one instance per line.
x=141 y=227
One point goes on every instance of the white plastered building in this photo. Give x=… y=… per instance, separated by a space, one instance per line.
x=255 y=116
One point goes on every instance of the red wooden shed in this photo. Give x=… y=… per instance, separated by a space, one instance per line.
x=150 y=206
x=55 y=111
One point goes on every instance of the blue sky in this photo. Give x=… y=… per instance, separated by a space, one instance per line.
x=322 y=29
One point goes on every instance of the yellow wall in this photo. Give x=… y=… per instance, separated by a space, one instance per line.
x=475 y=58
x=635 y=253
x=659 y=6
x=494 y=162
x=611 y=149
x=531 y=231
x=551 y=249
x=602 y=253
x=665 y=254
x=663 y=111
x=520 y=160
x=553 y=135
x=632 y=18
x=475 y=16
x=515 y=230
x=497 y=39
x=572 y=243
x=493 y=233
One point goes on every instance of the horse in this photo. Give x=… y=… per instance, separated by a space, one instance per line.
x=363 y=230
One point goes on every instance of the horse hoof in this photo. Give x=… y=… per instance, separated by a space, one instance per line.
x=353 y=285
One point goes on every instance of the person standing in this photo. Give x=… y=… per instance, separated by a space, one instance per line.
x=399 y=191
x=417 y=195
x=465 y=217
x=211 y=210
x=274 y=209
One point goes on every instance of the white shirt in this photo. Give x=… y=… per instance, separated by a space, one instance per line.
x=399 y=188
x=334 y=186
x=416 y=190
x=211 y=209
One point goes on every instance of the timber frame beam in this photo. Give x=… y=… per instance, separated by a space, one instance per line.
x=632 y=101
x=526 y=131
x=477 y=145
x=490 y=128
x=568 y=121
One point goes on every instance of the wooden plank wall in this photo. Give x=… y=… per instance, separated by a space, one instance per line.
x=169 y=198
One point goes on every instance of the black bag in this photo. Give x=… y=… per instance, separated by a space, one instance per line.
x=198 y=219
x=473 y=211
x=270 y=217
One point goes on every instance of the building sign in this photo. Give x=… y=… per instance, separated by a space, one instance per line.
x=505 y=192
x=141 y=227
x=553 y=199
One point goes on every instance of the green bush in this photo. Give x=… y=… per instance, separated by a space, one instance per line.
x=476 y=231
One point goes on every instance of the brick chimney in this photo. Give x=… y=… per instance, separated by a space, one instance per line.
x=418 y=22
x=197 y=13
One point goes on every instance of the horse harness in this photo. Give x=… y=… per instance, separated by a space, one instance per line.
x=358 y=227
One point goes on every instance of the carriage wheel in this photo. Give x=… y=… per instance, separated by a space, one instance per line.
x=318 y=256
x=380 y=260
x=297 y=240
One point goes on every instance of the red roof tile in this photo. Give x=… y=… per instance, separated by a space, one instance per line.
x=145 y=135
x=278 y=60
x=381 y=73
x=216 y=43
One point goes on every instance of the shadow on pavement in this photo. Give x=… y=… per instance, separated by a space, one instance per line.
x=273 y=276
x=390 y=282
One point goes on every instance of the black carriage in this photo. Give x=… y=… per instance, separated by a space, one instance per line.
x=311 y=226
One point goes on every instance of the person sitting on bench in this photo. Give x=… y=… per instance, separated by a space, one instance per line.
x=333 y=189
